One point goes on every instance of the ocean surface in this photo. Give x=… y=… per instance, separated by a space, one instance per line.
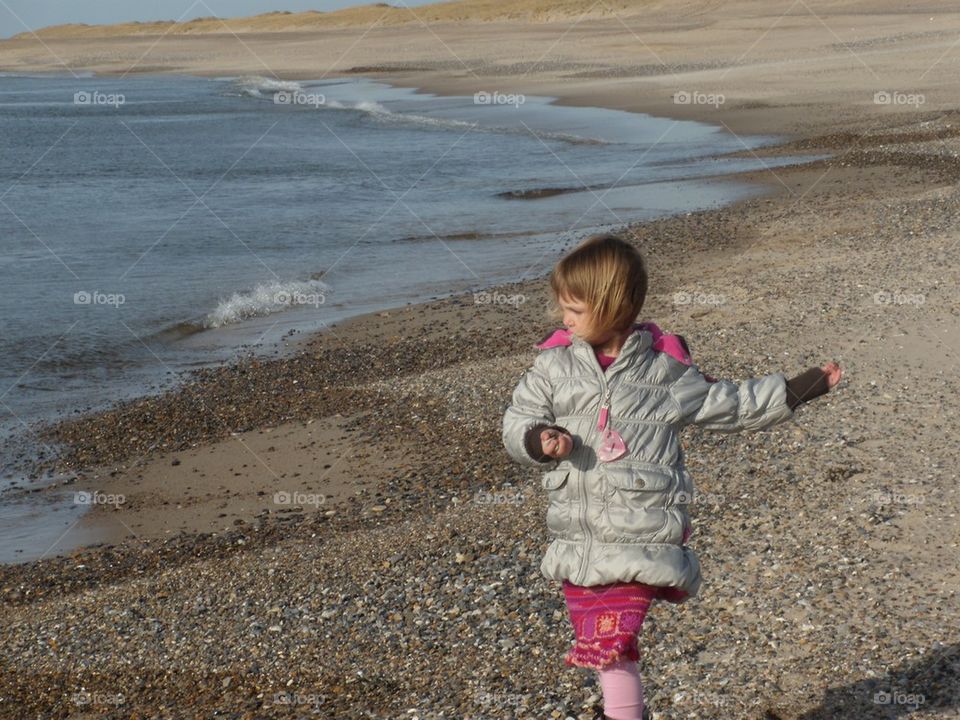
x=156 y=224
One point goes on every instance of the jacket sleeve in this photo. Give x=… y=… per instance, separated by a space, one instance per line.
x=754 y=404
x=531 y=405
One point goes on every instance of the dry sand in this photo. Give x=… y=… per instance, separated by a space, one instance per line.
x=830 y=561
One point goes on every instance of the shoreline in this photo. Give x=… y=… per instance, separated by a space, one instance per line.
x=86 y=472
x=156 y=505
x=202 y=453
x=153 y=508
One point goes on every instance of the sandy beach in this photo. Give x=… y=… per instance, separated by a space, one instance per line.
x=340 y=533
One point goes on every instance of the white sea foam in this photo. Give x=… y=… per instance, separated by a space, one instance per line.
x=261 y=87
x=266 y=299
x=257 y=86
x=384 y=115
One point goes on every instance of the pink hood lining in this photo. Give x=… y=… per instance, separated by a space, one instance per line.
x=673 y=345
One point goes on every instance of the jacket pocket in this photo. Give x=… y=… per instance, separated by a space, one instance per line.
x=559 y=509
x=636 y=499
x=645 y=477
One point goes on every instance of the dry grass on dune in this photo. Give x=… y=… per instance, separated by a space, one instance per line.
x=379 y=13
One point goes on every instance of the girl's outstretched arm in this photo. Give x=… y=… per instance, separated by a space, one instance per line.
x=754 y=404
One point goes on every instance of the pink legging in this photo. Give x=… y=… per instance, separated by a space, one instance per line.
x=622 y=691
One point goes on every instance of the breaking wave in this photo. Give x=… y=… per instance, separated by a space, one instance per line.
x=266 y=299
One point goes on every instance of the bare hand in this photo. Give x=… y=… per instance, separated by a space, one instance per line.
x=833 y=372
x=556 y=444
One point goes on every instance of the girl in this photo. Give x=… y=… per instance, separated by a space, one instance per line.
x=601 y=410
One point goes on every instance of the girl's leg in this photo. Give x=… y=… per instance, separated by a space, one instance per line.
x=622 y=691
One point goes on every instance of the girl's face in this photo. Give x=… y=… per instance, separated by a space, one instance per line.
x=577 y=316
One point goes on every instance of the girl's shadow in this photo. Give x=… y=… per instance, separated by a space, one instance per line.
x=917 y=686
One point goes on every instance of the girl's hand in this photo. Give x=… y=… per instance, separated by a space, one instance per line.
x=556 y=444
x=833 y=373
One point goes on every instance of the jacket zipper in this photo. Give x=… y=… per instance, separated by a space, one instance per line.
x=604 y=405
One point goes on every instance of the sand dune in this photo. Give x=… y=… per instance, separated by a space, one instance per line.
x=373 y=14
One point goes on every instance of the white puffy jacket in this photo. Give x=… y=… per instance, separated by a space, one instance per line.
x=625 y=520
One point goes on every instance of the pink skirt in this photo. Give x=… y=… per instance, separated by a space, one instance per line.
x=607 y=620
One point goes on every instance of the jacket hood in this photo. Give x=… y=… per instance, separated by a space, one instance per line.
x=673 y=345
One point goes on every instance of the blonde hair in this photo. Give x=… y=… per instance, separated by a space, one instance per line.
x=606 y=273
